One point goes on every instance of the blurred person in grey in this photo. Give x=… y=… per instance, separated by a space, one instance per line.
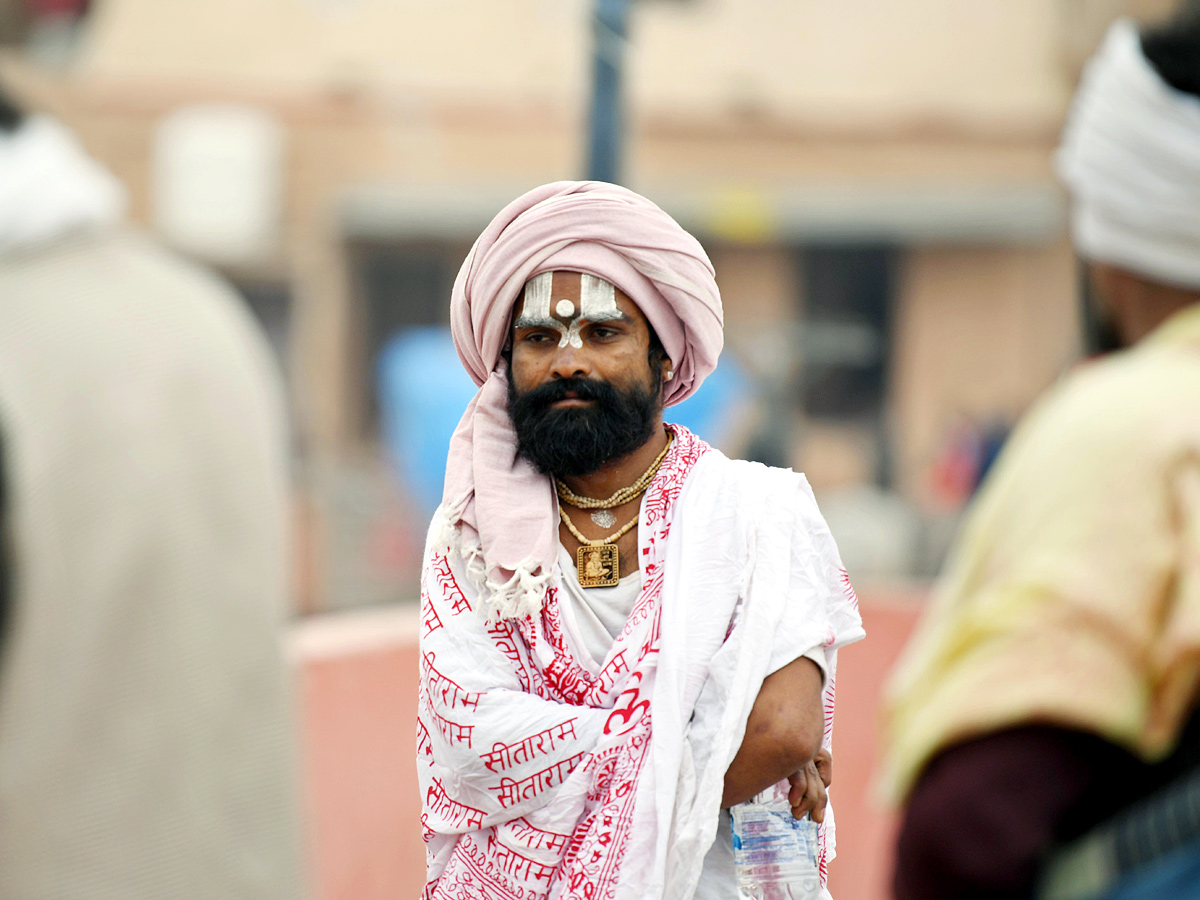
x=146 y=742
x=1051 y=688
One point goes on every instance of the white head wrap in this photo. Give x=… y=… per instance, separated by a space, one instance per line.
x=50 y=187
x=1131 y=157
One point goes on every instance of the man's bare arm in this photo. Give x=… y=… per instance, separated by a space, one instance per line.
x=783 y=734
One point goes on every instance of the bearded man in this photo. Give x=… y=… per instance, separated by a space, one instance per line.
x=624 y=632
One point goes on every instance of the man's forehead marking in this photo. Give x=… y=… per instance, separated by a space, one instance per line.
x=597 y=303
x=537 y=296
x=596 y=298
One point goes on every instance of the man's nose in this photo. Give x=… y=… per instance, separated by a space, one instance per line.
x=570 y=362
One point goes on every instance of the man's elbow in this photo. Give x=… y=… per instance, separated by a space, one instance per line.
x=795 y=718
x=800 y=739
x=793 y=739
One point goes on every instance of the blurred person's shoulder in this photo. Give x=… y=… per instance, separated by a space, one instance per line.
x=119 y=291
x=123 y=267
x=1128 y=412
x=1145 y=383
x=1143 y=386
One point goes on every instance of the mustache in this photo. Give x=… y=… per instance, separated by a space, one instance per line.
x=601 y=392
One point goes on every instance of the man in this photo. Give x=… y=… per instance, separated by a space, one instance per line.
x=1053 y=678
x=591 y=663
x=145 y=730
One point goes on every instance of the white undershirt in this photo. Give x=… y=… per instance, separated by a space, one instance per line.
x=592 y=619
x=595 y=616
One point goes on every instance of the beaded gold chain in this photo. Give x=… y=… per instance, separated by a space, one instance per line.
x=624 y=495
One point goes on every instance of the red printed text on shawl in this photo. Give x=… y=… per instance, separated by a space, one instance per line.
x=485 y=834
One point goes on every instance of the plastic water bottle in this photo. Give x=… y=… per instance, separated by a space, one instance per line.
x=775 y=853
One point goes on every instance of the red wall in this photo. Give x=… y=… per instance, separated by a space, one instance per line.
x=359 y=703
x=864 y=825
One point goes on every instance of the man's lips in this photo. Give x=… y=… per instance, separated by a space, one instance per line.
x=571 y=399
x=567 y=396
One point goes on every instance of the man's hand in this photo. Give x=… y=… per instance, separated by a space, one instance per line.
x=808 y=786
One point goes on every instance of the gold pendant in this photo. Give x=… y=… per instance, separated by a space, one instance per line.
x=598 y=565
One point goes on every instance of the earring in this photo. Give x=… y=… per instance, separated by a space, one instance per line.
x=670 y=374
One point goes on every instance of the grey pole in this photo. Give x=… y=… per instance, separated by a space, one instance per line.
x=604 y=140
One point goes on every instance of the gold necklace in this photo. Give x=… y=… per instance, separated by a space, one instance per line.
x=598 y=562
x=602 y=516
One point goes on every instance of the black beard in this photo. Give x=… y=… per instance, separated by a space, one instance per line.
x=1100 y=334
x=579 y=440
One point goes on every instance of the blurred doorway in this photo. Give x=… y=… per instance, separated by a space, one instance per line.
x=846 y=298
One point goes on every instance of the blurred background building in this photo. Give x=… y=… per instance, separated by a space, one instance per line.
x=872 y=178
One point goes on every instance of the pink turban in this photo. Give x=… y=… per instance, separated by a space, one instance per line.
x=506 y=510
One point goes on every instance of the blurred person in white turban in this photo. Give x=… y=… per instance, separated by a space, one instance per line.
x=1052 y=684
x=146 y=742
x=624 y=633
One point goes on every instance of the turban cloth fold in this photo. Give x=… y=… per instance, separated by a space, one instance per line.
x=1131 y=157
x=503 y=510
